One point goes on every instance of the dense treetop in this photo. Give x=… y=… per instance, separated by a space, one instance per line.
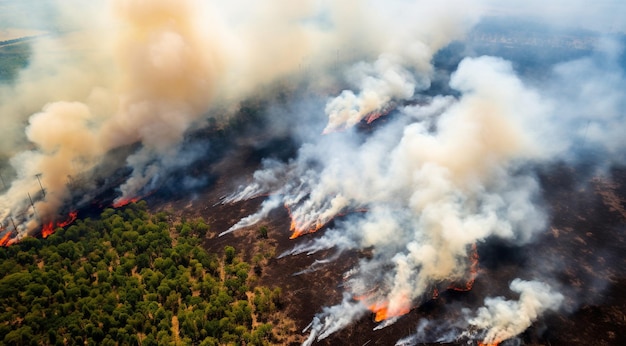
x=123 y=279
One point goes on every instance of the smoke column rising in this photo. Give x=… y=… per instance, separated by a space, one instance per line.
x=504 y=319
x=442 y=174
x=165 y=75
x=131 y=72
x=429 y=196
x=439 y=178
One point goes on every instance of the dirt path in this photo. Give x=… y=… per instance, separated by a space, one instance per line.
x=250 y=296
x=175 y=330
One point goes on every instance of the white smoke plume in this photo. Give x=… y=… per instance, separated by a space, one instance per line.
x=404 y=66
x=336 y=317
x=440 y=176
x=497 y=321
x=427 y=196
x=435 y=332
x=266 y=208
x=503 y=319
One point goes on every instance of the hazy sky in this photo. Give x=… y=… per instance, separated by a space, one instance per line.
x=602 y=15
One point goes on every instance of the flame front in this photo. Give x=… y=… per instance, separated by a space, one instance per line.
x=47 y=229
x=473 y=270
x=381 y=308
x=298 y=231
x=382 y=312
x=125 y=201
x=4 y=241
x=373 y=116
x=489 y=343
x=51 y=226
x=299 y=228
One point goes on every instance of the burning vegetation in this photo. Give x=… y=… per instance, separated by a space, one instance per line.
x=50 y=227
x=403 y=155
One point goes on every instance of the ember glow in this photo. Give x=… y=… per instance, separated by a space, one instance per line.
x=125 y=201
x=473 y=272
x=382 y=312
x=5 y=239
x=299 y=228
x=488 y=344
x=49 y=228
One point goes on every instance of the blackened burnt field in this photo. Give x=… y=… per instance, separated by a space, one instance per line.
x=583 y=249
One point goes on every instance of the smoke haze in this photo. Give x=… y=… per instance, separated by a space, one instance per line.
x=413 y=162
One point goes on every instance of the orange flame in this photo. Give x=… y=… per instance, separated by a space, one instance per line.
x=381 y=311
x=6 y=239
x=473 y=272
x=489 y=343
x=298 y=230
x=372 y=116
x=125 y=201
x=71 y=218
x=47 y=229
x=50 y=227
x=381 y=308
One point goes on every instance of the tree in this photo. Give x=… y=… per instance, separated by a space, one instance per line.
x=229 y=252
x=95 y=286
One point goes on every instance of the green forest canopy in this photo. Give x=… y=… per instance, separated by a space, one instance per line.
x=121 y=279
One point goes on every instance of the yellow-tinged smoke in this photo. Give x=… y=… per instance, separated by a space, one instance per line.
x=160 y=79
x=133 y=71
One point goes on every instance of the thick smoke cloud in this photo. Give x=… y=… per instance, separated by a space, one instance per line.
x=165 y=72
x=432 y=184
x=419 y=190
x=403 y=67
x=114 y=74
x=504 y=319
x=440 y=176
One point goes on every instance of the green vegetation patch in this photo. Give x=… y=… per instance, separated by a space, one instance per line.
x=121 y=279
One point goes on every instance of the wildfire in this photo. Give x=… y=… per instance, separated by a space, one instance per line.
x=372 y=116
x=473 y=270
x=298 y=231
x=51 y=226
x=124 y=201
x=488 y=344
x=381 y=308
x=4 y=241
x=381 y=311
